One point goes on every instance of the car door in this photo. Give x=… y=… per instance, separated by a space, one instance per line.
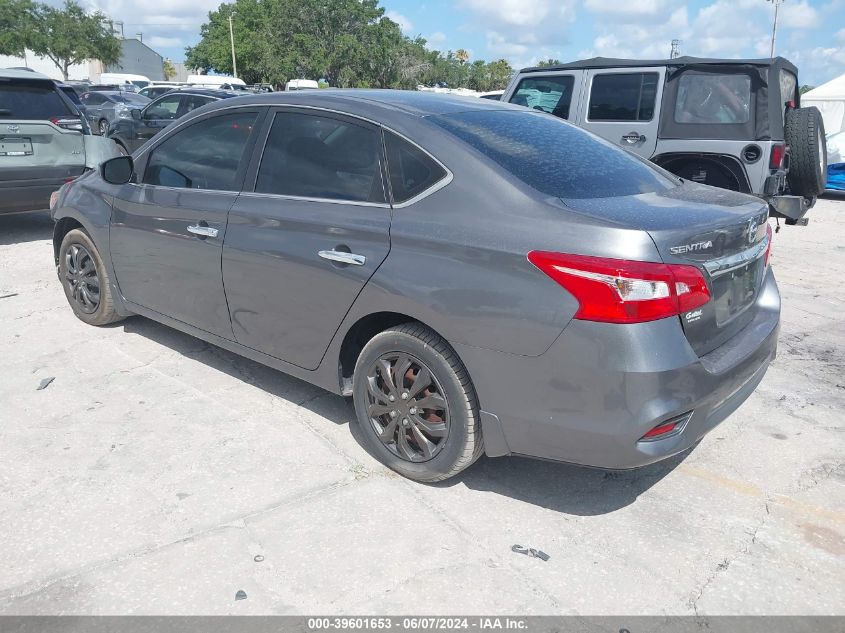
x=168 y=226
x=622 y=105
x=93 y=103
x=313 y=229
x=156 y=116
x=555 y=93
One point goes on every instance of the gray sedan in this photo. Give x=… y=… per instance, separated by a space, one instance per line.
x=102 y=108
x=478 y=277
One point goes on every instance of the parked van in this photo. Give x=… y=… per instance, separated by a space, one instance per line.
x=126 y=81
x=302 y=84
x=222 y=82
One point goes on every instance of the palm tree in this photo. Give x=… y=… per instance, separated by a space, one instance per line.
x=462 y=56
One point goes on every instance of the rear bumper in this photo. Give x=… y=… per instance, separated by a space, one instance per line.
x=601 y=387
x=33 y=194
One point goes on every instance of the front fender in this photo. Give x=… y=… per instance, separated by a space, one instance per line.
x=98 y=150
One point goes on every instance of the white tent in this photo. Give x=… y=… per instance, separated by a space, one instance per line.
x=829 y=98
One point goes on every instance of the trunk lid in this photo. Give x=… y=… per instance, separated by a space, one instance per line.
x=721 y=232
x=32 y=144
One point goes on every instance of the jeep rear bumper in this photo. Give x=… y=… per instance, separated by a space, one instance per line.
x=790 y=207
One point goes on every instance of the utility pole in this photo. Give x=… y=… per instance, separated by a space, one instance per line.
x=676 y=50
x=232 y=40
x=775 y=24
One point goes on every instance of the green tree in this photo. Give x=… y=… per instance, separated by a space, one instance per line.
x=500 y=74
x=548 y=62
x=806 y=88
x=16 y=26
x=69 y=36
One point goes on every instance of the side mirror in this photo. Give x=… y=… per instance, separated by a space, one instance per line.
x=136 y=114
x=118 y=170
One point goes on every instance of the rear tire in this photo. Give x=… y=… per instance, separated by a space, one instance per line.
x=804 y=134
x=85 y=280
x=425 y=443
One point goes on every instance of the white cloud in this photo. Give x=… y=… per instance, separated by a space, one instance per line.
x=798 y=16
x=840 y=35
x=522 y=30
x=623 y=11
x=435 y=41
x=404 y=23
x=157 y=40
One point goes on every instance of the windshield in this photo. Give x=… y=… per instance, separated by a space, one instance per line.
x=37 y=100
x=554 y=157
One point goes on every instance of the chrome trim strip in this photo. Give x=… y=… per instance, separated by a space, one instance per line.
x=281 y=196
x=727 y=264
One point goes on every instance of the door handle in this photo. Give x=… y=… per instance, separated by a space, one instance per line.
x=205 y=231
x=343 y=258
x=632 y=138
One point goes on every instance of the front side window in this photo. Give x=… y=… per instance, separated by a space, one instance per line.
x=412 y=171
x=623 y=97
x=314 y=156
x=166 y=108
x=713 y=98
x=205 y=155
x=93 y=98
x=547 y=94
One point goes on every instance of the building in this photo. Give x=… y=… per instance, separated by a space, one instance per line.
x=136 y=58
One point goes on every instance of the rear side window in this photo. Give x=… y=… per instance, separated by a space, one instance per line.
x=35 y=101
x=554 y=157
x=547 y=94
x=192 y=102
x=623 y=97
x=205 y=155
x=412 y=171
x=710 y=98
x=314 y=156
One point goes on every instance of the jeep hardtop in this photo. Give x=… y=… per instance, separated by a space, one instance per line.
x=730 y=123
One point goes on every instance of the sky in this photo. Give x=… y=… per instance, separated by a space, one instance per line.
x=811 y=33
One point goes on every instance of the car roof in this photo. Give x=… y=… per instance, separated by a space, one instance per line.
x=363 y=101
x=14 y=73
x=205 y=92
x=610 y=62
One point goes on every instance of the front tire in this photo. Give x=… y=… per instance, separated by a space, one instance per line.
x=416 y=405
x=85 y=280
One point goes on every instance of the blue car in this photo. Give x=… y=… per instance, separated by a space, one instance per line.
x=836 y=162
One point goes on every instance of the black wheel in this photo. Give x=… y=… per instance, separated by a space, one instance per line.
x=103 y=127
x=804 y=134
x=85 y=279
x=416 y=405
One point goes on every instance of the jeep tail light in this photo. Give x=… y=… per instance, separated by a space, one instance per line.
x=67 y=123
x=777 y=156
x=768 y=252
x=624 y=291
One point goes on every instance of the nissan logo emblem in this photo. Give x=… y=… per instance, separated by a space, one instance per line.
x=752 y=230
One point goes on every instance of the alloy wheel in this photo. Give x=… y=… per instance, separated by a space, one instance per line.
x=82 y=278
x=407 y=407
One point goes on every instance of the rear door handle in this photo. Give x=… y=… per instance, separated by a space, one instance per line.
x=343 y=258
x=205 y=231
x=632 y=138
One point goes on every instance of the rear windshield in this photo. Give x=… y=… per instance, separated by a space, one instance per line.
x=36 y=101
x=554 y=157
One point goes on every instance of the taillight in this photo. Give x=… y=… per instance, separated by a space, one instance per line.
x=669 y=428
x=624 y=291
x=769 y=235
x=777 y=156
x=67 y=123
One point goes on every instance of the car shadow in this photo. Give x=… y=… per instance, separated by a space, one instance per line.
x=16 y=228
x=564 y=488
